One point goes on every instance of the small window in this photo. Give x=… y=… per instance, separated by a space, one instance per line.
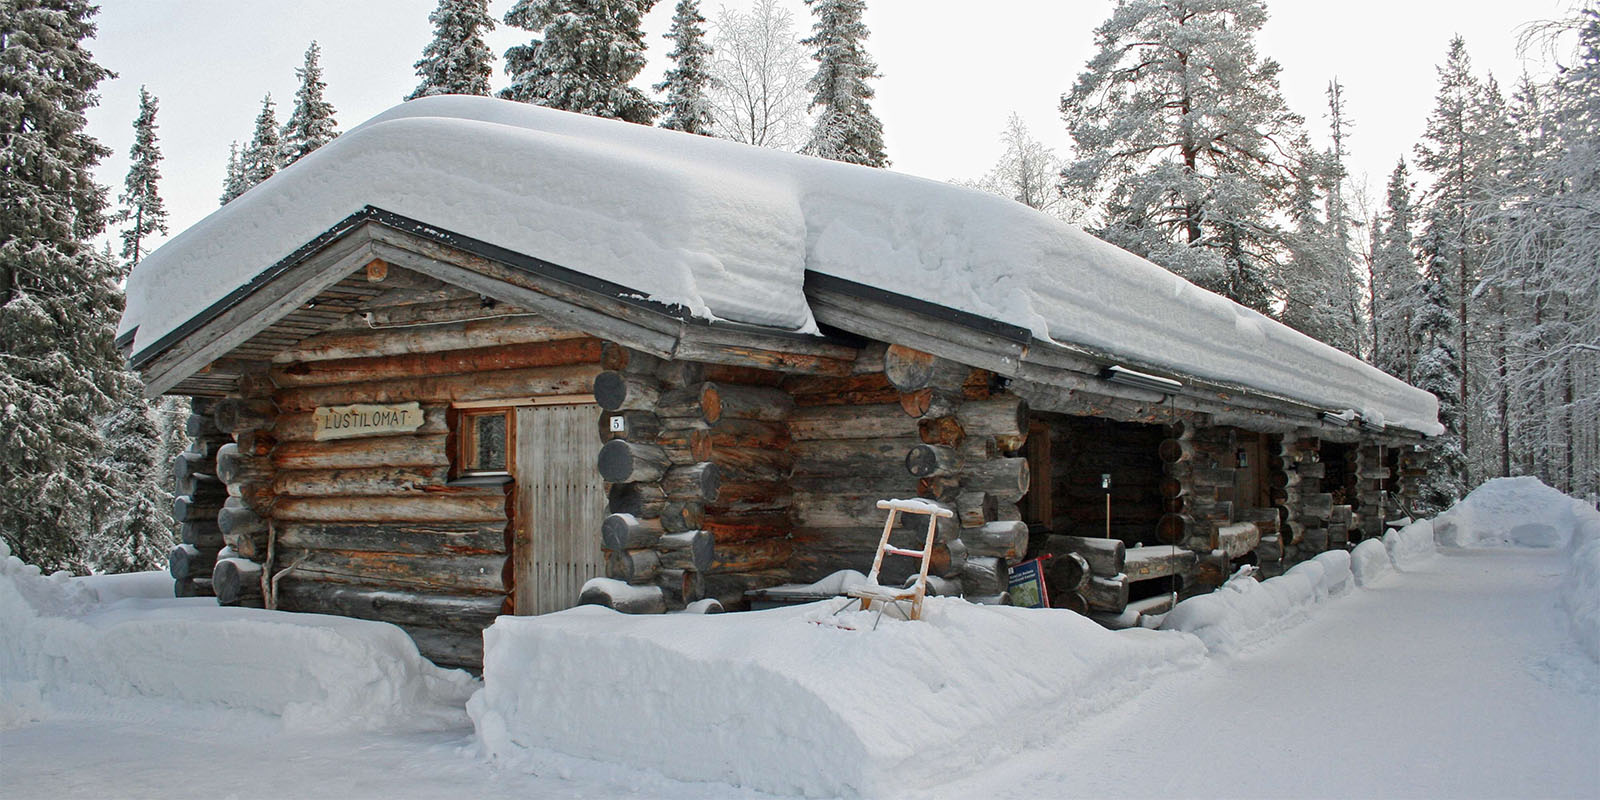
x=483 y=442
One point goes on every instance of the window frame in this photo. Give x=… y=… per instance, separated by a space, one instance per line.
x=463 y=440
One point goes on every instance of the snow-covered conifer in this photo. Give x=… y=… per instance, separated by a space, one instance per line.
x=687 y=106
x=457 y=61
x=1181 y=131
x=1433 y=329
x=311 y=124
x=845 y=127
x=1394 y=274
x=589 y=52
x=233 y=183
x=140 y=200
x=134 y=529
x=263 y=156
x=59 y=367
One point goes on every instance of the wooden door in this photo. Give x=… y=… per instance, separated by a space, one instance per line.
x=559 y=505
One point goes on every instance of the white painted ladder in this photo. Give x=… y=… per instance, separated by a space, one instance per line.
x=918 y=590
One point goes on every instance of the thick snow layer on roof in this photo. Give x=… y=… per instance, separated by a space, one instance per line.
x=728 y=230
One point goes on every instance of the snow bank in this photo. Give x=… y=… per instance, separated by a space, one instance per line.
x=1411 y=547
x=1580 y=588
x=786 y=701
x=728 y=231
x=1510 y=512
x=1369 y=562
x=1244 y=611
x=66 y=636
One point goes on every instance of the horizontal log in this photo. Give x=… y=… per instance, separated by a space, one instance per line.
x=974 y=508
x=638 y=426
x=909 y=370
x=1106 y=594
x=187 y=561
x=985 y=576
x=678 y=516
x=374 y=481
x=377 y=451
x=632 y=566
x=397 y=341
x=410 y=538
x=622 y=461
x=749 y=556
x=446 y=362
x=689 y=550
x=451 y=649
x=1008 y=540
x=200 y=425
x=1235 y=540
x=854 y=457
x=452 y=574
x=700 y=481
x=643 y=500
x=856 y=390
x=931 y=402
x=748 y=464
x=751 y=496
x=1174 y=528
x=1066 y=573
x=236 y=581
x=192 y=467
x=930 y=460
x=1311 y=469
x=201 y=533
x=521 y=383
x=432 y=509
x=467 y=613
x=1270 y=548
x=618 y=391
x=734 y=528
x=1157 y=561
x=627 y=532
x=878 y=421
x=186 y=508
x=626 y=599
x=719 y=401
x=1105 y=556
x=1316 y=505
x=1003 y=416
x=1005 y=478
x=234 y=414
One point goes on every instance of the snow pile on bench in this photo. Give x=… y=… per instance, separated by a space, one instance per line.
x=784 y=701
x=1510 y=512
x=1244 y=611
x=64 y=636
x=728 y=231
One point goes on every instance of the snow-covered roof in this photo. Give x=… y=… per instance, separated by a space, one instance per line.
x=728 y=231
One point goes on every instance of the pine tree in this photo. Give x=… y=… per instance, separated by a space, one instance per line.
x=457 y=61
x=311 y=124
x=1394 y=274
x=141 y=199
x=59 y=367
x=846 y=129
x=1181 y=131
x=590 y=51
x=233 y=183
x=263 y=157
x=687 y=107
x=1313 y=282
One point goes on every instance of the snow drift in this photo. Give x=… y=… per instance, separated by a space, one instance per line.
x=1244 y=611
x=728 y=231
x=1411 y=547
x=60 y=634
x=785 y=701
x=1510 y=512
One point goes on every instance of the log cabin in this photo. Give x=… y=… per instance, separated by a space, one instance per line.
x=478 y=358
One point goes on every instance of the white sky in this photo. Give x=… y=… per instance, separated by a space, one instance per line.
x=950 y=77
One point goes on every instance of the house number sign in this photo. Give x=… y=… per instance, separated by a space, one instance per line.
x=349 y=422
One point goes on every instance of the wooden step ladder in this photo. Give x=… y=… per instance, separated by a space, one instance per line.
x=886 y=595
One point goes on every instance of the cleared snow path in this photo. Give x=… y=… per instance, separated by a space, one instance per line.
x=1457 y=680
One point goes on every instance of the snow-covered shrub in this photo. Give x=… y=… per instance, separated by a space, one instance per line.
x=61 y=635
x=1369 y=562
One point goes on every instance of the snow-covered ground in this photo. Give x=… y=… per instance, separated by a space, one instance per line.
x=1456 y=674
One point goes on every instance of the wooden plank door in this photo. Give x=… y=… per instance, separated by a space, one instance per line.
x=560 y=501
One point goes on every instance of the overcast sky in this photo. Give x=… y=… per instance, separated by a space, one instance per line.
x=950 y=77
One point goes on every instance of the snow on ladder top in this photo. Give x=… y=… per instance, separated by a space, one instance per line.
x=916 y=506
x=901 y=551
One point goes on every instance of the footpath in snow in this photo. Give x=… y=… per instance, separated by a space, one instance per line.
x=1393 y=671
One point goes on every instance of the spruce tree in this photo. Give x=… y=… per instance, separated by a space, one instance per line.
x=846 y=129
x=263 y=156
x=589 y=52
x=311 y=124
x=1433 y=329
x=1181 y=133
x=233 y=183
x=59 y=367
x=687 y=107
x=140 y=199
x=1394 y=274
x=457 y=61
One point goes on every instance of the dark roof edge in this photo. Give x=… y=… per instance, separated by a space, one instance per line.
x=967 y=319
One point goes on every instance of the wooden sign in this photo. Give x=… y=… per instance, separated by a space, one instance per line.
x=350 y=422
